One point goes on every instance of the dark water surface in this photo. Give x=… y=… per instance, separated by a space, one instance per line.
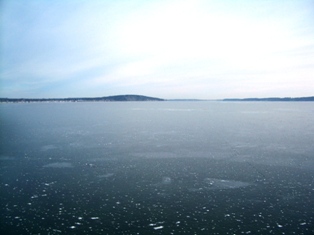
x=157 y=168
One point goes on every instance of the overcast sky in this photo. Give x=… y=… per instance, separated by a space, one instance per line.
x=165 y=48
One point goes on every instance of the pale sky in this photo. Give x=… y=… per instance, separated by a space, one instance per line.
x=203 y=49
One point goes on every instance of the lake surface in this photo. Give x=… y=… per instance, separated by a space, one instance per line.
x=157 y=168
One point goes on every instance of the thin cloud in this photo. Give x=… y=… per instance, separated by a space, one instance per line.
x=197 y=49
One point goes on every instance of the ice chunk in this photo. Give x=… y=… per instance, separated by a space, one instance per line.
x=279 y=225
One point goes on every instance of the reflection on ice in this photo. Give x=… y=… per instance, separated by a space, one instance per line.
x=59 y=165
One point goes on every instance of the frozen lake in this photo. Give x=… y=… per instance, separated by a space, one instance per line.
x=157 y=168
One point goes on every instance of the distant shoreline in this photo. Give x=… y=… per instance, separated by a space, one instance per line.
x=92 y=99
x=134 y=98
x=285 y=99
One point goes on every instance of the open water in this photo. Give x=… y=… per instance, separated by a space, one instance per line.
x=157 y=168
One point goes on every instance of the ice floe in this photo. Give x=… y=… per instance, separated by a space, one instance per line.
x=105 y=175
x=6 y=158
x=47 y=147
x=166 y=180
x=213 y=183
x=59 y=165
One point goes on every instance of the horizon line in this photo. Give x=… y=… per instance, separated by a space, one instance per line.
x=164 y=99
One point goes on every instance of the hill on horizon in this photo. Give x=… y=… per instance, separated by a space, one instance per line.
x=82 y=99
